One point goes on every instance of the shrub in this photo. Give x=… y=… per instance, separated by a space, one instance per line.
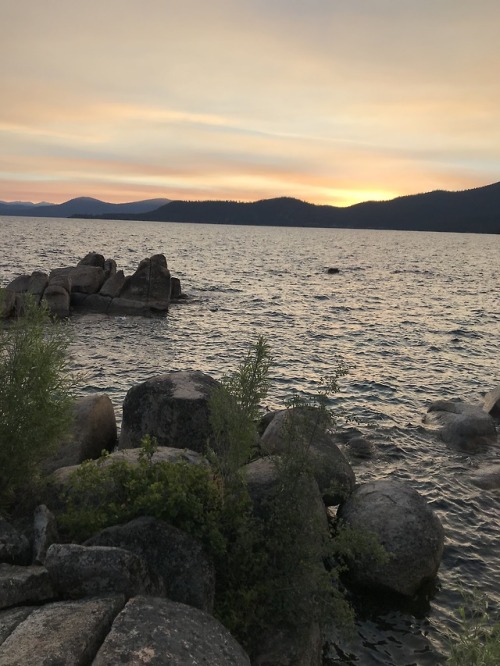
x=477 y=641
x=35 y=396
x=103 y=493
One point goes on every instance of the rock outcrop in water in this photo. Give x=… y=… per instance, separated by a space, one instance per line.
x=462 y=426
x=95 y=285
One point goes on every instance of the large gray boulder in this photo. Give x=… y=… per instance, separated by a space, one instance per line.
x=159 y=632
x=24 y=585
x=303 y=432
x=173 y=407
x=84 y=279
x=93 y=259
x=34 y=284
x=113 y=285
x=178 y=558
x=465 y=427
x=405 y=525
x=93 y=431
x=80 y=571
x=65 y=633
x=150 y=284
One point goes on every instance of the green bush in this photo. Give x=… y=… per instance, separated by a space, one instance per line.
x=35 y=396
x=103 y=493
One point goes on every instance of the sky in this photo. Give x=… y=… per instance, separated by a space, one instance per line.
x=330 y=101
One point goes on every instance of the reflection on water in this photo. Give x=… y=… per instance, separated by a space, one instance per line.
x=416 y=316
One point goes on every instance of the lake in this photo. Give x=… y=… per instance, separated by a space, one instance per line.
x=415 y=315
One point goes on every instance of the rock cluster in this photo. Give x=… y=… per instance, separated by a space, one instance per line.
x=143 y=592
x=96 y=285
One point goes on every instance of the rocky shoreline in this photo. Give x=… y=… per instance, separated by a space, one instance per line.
x=143 y=592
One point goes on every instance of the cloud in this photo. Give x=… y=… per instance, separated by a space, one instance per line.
x=321 y=99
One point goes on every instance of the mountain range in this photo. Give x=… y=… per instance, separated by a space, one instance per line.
x=81 y=206
x=476 y=211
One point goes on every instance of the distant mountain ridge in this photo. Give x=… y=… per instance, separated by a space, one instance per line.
x=475 y=211
x=85 y=206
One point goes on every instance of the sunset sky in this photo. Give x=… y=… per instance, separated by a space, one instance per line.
x=330 y=101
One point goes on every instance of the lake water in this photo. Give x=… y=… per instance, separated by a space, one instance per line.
x=416 y=315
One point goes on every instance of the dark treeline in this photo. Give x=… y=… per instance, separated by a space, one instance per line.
x=475 y=211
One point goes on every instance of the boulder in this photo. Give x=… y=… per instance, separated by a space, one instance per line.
x=58 y=301
x=63 y=281
x=44 y=532
x=360 y=447
x=92 y=259
x=34 y=284
x=84 y=279
x=150 y=283
x=14 y=546
x=9 y=619
x=492 y=402
x=304 y=430
x=91 y=302
x=126 y=306
x=263 y=481
x=160 y=631
x=109 y=268
x=175 y=288
x=131 y=456
x=405 y=526
x=177 y=557
x=463 y=426
x=113 y=285
x=93 y=431
x=80 y=571
x=24 y=585
x=65 y=633
x=173 y=407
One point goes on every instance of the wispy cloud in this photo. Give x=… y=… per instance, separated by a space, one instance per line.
x=331 y=102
